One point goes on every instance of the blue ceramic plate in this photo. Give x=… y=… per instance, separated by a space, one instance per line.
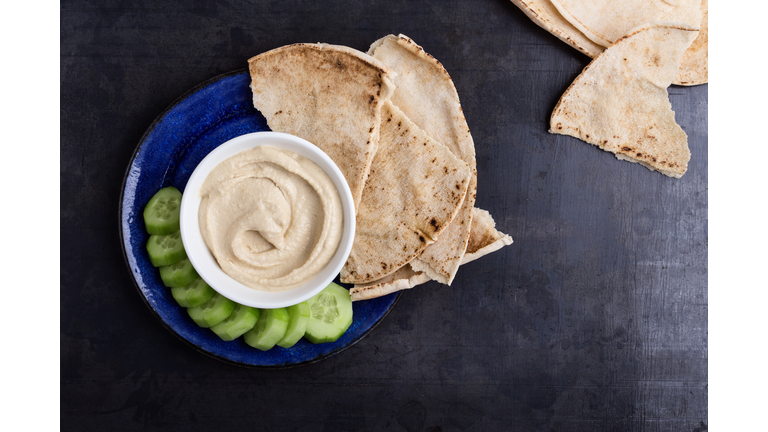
x=198 y=122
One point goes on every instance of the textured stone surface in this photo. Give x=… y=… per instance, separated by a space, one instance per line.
x=594 y=319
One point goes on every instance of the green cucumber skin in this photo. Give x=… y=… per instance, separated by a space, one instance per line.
x=318 y=330
x=297 y=326
x=194 y=294
x=174 y=277
x=325 y=339
x=164 y=257
x=242 y=319
x=212 y=312
x=269 y=329
x=155 y=225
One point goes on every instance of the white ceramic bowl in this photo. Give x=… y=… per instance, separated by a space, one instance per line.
x=205 y=263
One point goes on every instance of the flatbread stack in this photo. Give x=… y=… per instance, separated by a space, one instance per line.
x=392 y=122
x=590 y=26
x=414 y=190
x=425 y=93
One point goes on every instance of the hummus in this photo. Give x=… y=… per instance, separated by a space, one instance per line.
x=271 y=218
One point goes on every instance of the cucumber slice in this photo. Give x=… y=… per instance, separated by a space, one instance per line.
x=297 y=326
x=212 y=312
x=165 y=249
x=161 y=215
x=269 y=329
x=242 y=319
x=178 y=275
x=331 y=314
x=194 y=294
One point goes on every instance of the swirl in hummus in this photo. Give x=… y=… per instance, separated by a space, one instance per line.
x=271 y=218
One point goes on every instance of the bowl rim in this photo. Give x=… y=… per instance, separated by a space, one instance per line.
x=205 y=263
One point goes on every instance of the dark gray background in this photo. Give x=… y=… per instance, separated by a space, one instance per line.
x=595 y=318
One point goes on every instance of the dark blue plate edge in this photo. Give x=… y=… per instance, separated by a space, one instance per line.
x=142 y=140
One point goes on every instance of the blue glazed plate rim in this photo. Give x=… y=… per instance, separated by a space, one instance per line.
x=165 y=324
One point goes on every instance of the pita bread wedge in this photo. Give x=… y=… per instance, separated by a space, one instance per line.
x=620 y=103
x=546 y=16
x=694 y=68
x=414 y=189
x=425 y=93
x=329 y=95
x=484 y=239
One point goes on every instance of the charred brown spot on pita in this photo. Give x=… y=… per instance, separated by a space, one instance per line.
x=627 y=149
x=279 y=112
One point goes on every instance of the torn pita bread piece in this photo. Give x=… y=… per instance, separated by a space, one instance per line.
x=694 y=68
x=484 y=239
x=329 y=95
x=619 y=102
x=546 y=16
x=425 y=93
x=414 y=189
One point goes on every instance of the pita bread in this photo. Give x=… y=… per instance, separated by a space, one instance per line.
x=546 y=16
x=483 y=239
x=605 y=21
x=694 y=69
x=414 y=189
x=329 y=95
x=619 y=102
x=425 y=93
x=693 y=66
x=403 y=278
